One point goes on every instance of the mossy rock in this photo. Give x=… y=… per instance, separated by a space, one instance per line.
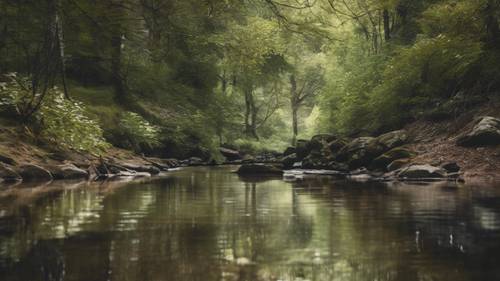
x=382 y=162
x=398 y=164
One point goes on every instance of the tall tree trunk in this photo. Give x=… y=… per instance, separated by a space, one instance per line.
x=116 y=56
x=254 y=119
x=61 y=47
x=294 y=103
x=492 y=29
x=295 y=124
x=387 y=27
x=116 y=69
x=250 y=114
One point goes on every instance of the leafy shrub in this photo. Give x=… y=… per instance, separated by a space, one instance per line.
x=63 y=122
x=138 y=131
x=66 y=123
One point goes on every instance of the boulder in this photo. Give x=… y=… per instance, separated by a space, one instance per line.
x=485 y=132
x=421 y=172
x=398 y=164
x=337 y=145
x=324 y=138
x=451 y=167
x=195 y=161
x=142 y=168
x=289 y=151
x=31 y=172
x=302 y=149
x=392 y=139
x=8 y=174
x=230 y=154
x=381 y=163
x=315 y=160
x=259 y=169
x=289 y=160
x=319 y=142
x=357 y=153
x=7 y=160
x=68 y=171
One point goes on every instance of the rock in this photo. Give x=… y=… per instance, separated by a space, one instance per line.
x=289 y=160
x=141 y=168
x=289 y=151
x=485 y=132
x=7 y=160
x=392 y=139
x=336 y=166
x=336 y=145
x=398 y=164
x=31 y=172
x=251 y=169
x=451 y=167
x=195 y=161
x=316 y=160
x=357 y=153
x=302 y=149
x=382 y=162
x=68 y=171
x=318 y=142
x=230 y=154
x=324 y=138
x=8 y=174
x=421 y=172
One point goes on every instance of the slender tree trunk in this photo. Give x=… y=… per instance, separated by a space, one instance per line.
x=250 y=114
x=294 y=103
x=295 y=124
x=387 y=27
x=116 y=56
x=492 y=29
x=254 y=119
x=116 y=68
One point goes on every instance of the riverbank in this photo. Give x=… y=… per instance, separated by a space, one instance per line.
x=24 y=160
x=465 y=149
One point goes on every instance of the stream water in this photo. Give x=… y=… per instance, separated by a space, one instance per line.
x=209 y=224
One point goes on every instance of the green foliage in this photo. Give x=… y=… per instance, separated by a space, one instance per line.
x=138 y=131
x=67 y=124
x=253 y=147
x=63 y=122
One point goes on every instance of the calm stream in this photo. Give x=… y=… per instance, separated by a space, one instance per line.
x=208 y=224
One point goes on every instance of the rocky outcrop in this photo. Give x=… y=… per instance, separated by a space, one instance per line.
x=392 y=139
x=331 y=152
x=398 y=164
x=485 y=132
x=7 y=160
x=382 y=162
x=142 y=168
x=421 y=172
x=67 y=172
x=31 y=172
x=230 y=154
x=8 y=174
x=451 y=167
x=302 y=149
x=358 y=153
x=259 y=169
x=289 y=160
x=289 y=151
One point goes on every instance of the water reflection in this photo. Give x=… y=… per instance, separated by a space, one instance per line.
x=209 y=224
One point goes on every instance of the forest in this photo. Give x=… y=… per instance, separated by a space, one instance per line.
x=249 y=140
x=180 y=78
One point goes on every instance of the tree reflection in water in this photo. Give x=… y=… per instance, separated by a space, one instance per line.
x=209 y=224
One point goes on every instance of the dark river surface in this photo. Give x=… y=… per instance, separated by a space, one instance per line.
x=209 y=224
